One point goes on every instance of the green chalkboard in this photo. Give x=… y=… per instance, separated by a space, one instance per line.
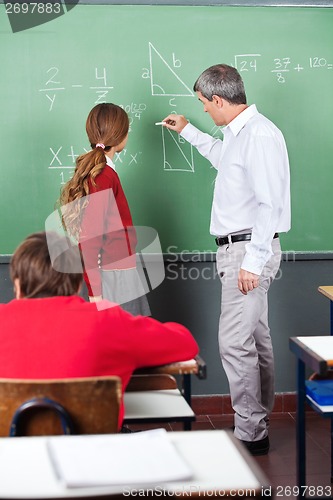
x=146 y=58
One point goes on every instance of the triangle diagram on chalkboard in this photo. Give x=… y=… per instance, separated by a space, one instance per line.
x=177 y=153
x=163 y=79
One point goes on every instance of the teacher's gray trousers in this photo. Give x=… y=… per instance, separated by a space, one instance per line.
x=245 y=342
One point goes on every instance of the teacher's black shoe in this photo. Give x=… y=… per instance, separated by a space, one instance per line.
x=257 y=448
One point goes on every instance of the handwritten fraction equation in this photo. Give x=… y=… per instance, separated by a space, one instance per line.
x=63 y=160
x=54 y=86
x=281 y=67
x=99 y=86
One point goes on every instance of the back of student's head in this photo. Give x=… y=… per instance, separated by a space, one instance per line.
x=107 y=124
x=221 y=80
x=37 y=273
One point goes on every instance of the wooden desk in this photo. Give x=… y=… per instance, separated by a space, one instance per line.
x=317 y=353
x=185 y=369
x=328 y=292
x=218 y=461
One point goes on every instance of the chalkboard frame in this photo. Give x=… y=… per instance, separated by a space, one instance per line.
x=204 y=257
x=240 y=3
x=243 y=3
x=211 y=257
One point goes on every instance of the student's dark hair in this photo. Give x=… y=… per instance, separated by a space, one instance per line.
x=36 y=271
x=221 y=80
x=107 y=124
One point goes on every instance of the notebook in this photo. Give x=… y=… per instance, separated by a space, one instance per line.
x=142 y=458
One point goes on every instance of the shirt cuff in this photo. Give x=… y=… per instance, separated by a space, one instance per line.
x=189 y=132
x=256 y=263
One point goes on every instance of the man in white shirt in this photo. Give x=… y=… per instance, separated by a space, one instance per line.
x=251 y=205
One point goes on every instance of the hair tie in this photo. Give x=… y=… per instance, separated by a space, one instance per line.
x=100 y=145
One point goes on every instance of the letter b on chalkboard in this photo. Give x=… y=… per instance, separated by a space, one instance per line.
x=25 y=15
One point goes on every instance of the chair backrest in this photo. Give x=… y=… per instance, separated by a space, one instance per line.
x=92 y=404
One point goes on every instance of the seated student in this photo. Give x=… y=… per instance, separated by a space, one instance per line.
x=49 y=332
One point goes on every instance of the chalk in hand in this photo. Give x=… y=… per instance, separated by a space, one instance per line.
x=167 y=122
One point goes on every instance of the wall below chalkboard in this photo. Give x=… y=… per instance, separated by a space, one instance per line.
x=190 y=294
x=146 y=58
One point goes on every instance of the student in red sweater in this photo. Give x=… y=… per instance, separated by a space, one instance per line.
x=49 y=332
x=96 y=212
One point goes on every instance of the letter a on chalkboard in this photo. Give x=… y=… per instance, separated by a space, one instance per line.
x=164 y=80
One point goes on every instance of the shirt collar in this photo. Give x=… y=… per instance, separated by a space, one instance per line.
x=241 y=120
x=110 y=163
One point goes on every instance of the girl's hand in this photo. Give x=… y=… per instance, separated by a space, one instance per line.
x=96 y=298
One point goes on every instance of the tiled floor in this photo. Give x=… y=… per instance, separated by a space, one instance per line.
x=280 y=464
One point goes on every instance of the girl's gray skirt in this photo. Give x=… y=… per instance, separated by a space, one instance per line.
x=126 y=288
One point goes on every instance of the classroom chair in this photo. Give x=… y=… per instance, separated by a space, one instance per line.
x=153 y=395
x=59 y=406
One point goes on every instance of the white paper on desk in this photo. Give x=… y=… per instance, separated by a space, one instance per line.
x=322 y=346
x=120 y=459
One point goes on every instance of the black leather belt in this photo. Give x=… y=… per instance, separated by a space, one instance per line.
x=236 y=237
